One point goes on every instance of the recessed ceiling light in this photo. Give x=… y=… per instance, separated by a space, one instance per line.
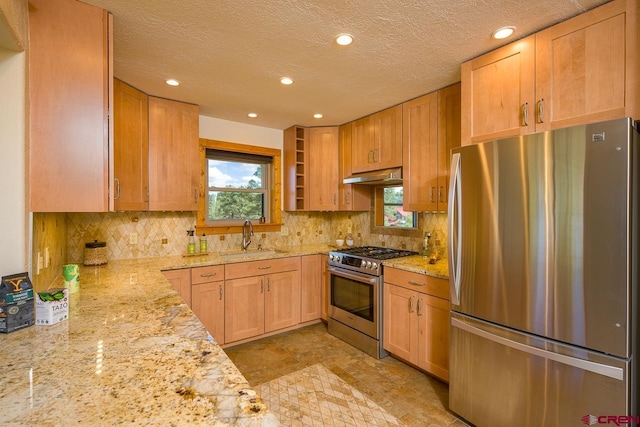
x=172 y=82
x=252 y=115
x=317 y=116
x=286 y=81
x=503 y=33
x=344 y=39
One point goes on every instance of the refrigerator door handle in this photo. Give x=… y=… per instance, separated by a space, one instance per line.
x=453 y=220
x=586 y=365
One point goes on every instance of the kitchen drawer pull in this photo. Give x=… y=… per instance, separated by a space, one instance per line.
x=525 y=120
x=414 y=282
x=264 y=267
x=419 y=306
x=207 y=274
x=411 y=310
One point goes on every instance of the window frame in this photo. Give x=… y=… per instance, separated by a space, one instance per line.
x=274 y=203
x=377 y=217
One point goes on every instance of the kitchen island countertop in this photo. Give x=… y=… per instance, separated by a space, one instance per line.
x=131 y=353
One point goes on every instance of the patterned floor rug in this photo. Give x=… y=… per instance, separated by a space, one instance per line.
x=314 y=396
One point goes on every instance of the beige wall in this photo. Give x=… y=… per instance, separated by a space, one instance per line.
x=14 y=219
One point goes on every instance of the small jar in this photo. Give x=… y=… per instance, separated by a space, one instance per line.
x=95 y=253
x=349 y=240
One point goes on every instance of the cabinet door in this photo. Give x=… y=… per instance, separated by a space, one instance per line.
x=70 y=70
x=498 y=93
x=174 y=165
x=362 y=145
x=207 y=303
x=311 y=282
x=181 y=282
x=282 y=300
x=350 y=197
x=130 y=148
x=325 y=286
x=433 y=330
x=420 y=164
x=582 y=66
x=323 y=169
x=387 y=150
x=244 y=308
x=448 y=138
x=400 y=334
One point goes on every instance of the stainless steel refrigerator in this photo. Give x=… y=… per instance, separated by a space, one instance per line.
x=543 y=254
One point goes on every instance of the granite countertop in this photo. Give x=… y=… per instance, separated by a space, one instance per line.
x=418 y=264
x=131 y=353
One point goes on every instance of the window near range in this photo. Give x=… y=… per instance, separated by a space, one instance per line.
x=392 y=213
x=238 y=186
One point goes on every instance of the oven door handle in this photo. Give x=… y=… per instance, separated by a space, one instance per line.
x=353 y=276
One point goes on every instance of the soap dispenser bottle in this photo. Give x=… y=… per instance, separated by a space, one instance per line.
x=426 y=245
x=191 y=244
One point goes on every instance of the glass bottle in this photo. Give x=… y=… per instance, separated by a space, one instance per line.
x=426 y=245
x=191 y=245
x=203 y=243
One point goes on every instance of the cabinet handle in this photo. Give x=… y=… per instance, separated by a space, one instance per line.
x=195 y=196
x=414 y=282
x=432 y=190
x=525 y=120
x=419 y=306
x=268 y=284
x=411 y=309
x=335 y=199
x=220 y=292
x=265 y=267
x=347 y=195
x=207 y=274
x=540 y=110
x=440 y=194
x=146 y=190
x=375 y=156
x=370 y=156
x=117 y=196
x=261 y=286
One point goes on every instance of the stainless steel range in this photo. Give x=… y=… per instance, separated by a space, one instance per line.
x=355 y=303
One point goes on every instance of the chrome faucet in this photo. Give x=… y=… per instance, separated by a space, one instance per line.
x=247 y=233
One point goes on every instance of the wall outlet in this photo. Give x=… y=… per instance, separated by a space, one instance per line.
x=39 y=263
x=133 y=238
x=284 y=231
x=47 y=259
x=133 y=278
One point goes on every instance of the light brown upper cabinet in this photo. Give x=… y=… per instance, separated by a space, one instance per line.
x=130 y=148
x=323 y=169
x=296 y=161
x=70 y=68
x=580 y=71
x=174 y=166
x=350 y=197
x=376 y=141
x=431 y=128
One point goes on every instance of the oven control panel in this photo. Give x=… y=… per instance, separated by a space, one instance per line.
x=355 y=262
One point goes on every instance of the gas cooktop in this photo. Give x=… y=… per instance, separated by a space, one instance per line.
x=375 y=252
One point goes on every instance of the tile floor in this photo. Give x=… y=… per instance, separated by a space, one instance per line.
x=413 y=397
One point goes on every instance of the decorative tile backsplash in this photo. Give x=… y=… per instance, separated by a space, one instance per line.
x=151 y=228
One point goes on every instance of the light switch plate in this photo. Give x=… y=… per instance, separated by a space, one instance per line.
x=133 y=238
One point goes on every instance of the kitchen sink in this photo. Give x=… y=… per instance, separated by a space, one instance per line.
x=250 y=254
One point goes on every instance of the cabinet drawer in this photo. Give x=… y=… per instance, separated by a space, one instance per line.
x=210 y=273
x=256 y=268
x=418 y=282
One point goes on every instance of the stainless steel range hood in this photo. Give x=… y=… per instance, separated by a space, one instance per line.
x=379 y=177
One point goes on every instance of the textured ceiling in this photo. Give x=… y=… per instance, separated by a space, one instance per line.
x=230 y=54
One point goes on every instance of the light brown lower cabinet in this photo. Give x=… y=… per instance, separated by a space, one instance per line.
x=310 y=287
x=181 y=281
x=261 y=297
x=207 y=299
x=416 y=320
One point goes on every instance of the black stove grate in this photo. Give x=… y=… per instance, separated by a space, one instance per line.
x=375 y=252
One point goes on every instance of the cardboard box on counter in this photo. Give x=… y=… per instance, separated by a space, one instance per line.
x=16 y=302
x=52 y=306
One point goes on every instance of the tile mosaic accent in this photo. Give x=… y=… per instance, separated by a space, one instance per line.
x=151 y=228
x=316 y=396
